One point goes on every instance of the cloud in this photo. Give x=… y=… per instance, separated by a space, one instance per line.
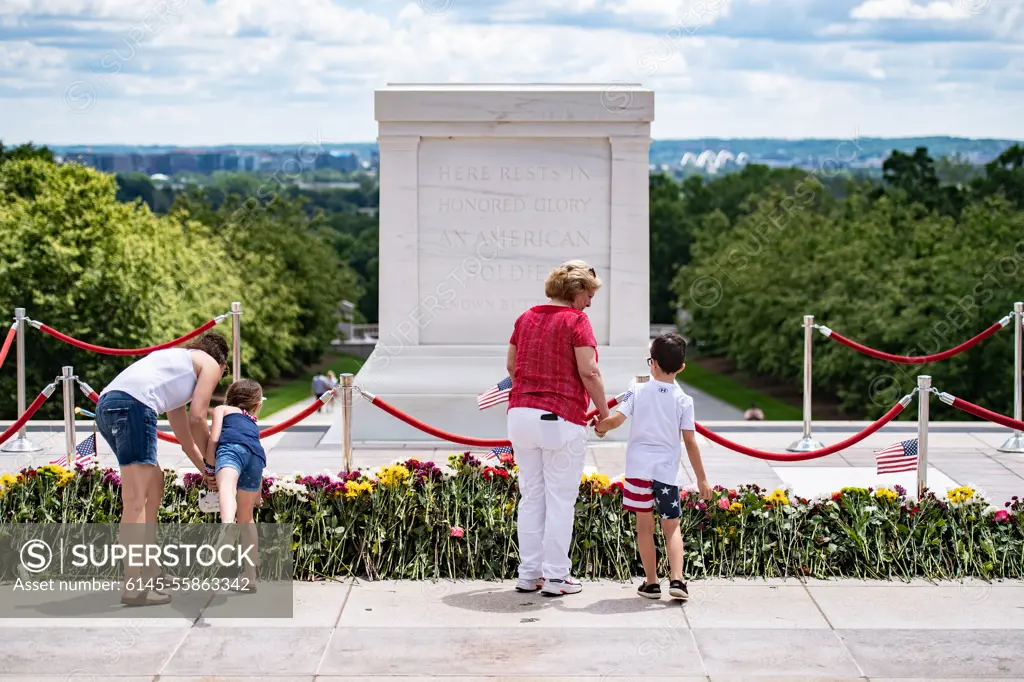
x=908 y=9
x=195 y=71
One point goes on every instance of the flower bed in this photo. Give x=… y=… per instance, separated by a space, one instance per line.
x=416 y=521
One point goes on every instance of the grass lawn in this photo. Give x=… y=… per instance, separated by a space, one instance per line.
x=291 y=392
x=737 y=395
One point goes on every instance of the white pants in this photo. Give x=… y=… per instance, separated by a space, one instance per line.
x=550 y=456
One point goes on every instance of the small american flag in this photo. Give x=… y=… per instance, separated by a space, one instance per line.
x=497 y=452
x=495 y=394
x=86 y=453
x=898 y=457
x=623 y=397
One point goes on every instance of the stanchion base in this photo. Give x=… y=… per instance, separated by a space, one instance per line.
x=21 y=445
x=807 y=444
x=1014 y=444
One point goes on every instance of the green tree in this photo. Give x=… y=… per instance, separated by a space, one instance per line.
x=96 y=269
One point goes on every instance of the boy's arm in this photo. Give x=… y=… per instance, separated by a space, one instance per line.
x=693 y=453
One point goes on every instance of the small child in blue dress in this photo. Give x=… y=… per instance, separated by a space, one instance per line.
x=239 y=459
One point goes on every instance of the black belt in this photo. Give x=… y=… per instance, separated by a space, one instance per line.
x=549 y=417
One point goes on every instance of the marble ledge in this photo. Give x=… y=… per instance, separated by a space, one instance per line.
x=611 y=103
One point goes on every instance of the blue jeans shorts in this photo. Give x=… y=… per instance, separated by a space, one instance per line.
x=248 y=465
x=128 y=426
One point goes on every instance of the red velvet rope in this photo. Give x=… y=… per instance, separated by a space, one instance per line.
x=922 y=360
x=800 y=456
x=21 y=421
x=987 y=415
x=788 y=456
x=125 y=351
x=438 y=433
x=265 y=433
x=7 y=344
x=288 y=423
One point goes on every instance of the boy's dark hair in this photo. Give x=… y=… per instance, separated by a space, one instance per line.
x=214 y=345
x=669 y=351
x=246 y=394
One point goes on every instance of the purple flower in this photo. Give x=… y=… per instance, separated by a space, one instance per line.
x=192 y=481
x=900 y=490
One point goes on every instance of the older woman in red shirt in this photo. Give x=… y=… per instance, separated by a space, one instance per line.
x=552 y=359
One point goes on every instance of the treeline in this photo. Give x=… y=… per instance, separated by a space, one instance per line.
x=338 y=214
x=912 y=266
x=117 y=274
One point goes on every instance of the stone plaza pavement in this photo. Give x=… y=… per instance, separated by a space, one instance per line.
x=729 y=630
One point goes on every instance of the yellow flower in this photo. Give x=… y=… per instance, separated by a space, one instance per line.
x=393 y=476
x=596 y=482
x=885 y=494
x=354 y=489
x=7 y=480
x=509 y=507
x=960 y=494
x=778 y=496
x=53 y=470
x=851 y=490
x=736 y=507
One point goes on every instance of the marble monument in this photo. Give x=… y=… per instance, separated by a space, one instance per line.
x=483 y=190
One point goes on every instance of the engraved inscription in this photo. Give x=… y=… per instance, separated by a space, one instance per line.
x=506 y=212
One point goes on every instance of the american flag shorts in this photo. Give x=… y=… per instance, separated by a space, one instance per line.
x=639 y=495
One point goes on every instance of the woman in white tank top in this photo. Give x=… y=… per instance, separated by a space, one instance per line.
x=164 y=382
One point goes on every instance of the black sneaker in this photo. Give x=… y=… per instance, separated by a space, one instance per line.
x=649 y=590
x=677 y=588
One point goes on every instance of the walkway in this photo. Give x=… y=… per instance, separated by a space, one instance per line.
x=730 y=630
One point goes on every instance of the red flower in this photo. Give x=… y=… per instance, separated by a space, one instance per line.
x=837 y=497
x=1001 y=515
x=733 y=495
x=457 y=532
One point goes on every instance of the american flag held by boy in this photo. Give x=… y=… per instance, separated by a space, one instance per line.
x=898 y=457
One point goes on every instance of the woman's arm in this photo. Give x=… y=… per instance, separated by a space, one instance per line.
x=178 y=419
x=209 y=376
x=586 y=364
x=510 y=360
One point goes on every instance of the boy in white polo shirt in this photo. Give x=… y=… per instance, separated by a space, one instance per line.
x=660 y=410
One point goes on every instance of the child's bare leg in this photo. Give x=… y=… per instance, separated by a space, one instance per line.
x=227 y=484
x=645 y=542
x=674 y=547
x=246 y=504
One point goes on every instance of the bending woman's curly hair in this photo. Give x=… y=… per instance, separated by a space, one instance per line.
x=569 y=279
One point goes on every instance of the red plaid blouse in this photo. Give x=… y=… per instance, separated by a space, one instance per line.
x=546 y=376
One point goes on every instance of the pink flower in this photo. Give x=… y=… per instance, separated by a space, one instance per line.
x=723 y=503
x=457 y=532
x=1001 y=515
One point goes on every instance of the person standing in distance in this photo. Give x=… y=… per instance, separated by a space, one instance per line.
x=552 y=359
x=165 y=381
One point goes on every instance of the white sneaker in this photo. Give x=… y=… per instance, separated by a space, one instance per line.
x=529 y=584
x=554 y=587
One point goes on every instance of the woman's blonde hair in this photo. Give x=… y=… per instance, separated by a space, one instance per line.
x=569 y=279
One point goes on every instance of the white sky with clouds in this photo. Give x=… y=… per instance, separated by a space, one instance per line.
x=210 y=72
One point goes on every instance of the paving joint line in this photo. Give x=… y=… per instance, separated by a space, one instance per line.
x=335 y=628
x=832 y=627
